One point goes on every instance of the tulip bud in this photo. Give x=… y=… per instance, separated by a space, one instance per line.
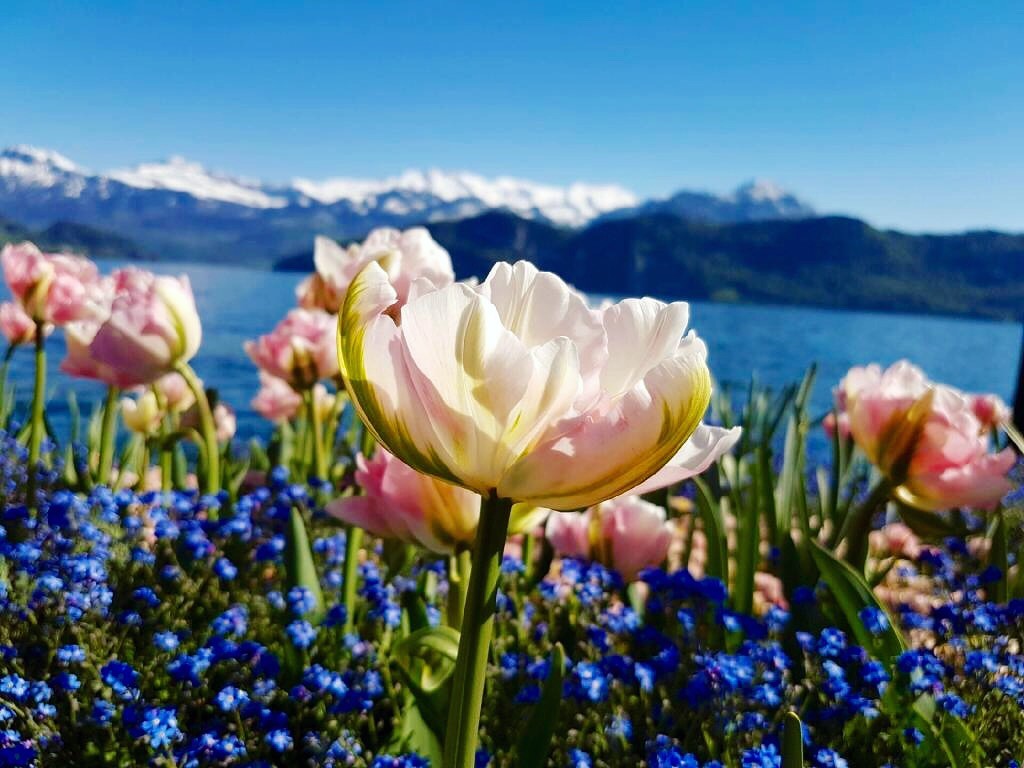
x=401 y=503
x=627 y=534
x=926 y=438
x=300 y=350
x=276 y=400
x=16 y=325
x=405 y=256
x=53 y=288
x=175 y=393
x=142 y=414
x=153 y=327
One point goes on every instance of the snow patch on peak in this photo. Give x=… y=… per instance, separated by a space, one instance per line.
x=571 y=205
x=40 y=168
x=760 y=190
x=27 y=154
x=178 y=174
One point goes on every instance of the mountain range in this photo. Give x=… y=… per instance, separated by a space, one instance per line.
x=757 y=244
x=181 y=210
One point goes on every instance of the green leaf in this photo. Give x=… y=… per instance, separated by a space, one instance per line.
x=299 y=567
x=416 y=609
x=949 y=733
x=414 y=734
x=999 y=557
x=748 y=553
x=258 y=459
x=397 y=556
x=714 y=531
x=426 y=660
x=235 y=475
x=929 y=525
x=792 y=742
x=765 y=485
x=535 y=743
x=1015 y=437
x=852 y=594
x=637 y=599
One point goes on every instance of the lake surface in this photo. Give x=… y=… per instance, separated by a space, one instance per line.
x=775 y=344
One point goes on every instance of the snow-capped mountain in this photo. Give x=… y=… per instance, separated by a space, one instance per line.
x=180 y=208
x=180 y=175
x=755 y=200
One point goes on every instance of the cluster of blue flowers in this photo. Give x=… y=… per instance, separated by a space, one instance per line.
x=161 y=628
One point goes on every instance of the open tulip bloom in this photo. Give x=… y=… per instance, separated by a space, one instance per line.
x=519 y=391
x=930 y=442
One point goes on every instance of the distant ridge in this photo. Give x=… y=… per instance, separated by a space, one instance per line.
x=76 y=238
x=183 y=210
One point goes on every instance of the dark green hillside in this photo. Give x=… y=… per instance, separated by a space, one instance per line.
x=79 y=238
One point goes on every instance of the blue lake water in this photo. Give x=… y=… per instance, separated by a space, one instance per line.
x=775 y=344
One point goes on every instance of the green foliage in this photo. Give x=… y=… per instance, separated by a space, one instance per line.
x=535 y=743
x=792 y=742
x=852 y=595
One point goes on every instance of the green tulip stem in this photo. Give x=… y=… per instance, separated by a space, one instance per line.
x=353 y=543
x=475 y=639
x=316 y=435
x=166 y=457
x=459 y=566
x=163 y=442
x=529 y=544
x=207 y=428
x=35 y=439
x=858 y=525
x=108 y=430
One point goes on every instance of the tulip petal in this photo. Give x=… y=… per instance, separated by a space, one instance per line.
x=492 y=395
x=373 y=365
x=981 y=484
x=641 y=333
x=539 y=307
x=617 y=445
x=697 y=454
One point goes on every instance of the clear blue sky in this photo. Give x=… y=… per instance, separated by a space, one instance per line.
x=910 y=115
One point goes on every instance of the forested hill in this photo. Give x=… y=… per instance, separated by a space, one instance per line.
x=828 y=261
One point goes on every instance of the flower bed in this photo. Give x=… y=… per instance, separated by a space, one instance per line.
x=706 y=595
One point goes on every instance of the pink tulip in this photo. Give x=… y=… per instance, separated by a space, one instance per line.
x=877 y=404
x=79 y=360
x=569 y=533
x=405 y=256
x=831 y=421
x=926 y=438
x=401 y=503
x=635 y=533
x=52 y=288
x=951 y=465
x=516 y=387
x=226 y=421
x=153 y=327
x=276 y=400
x=174 y=392
x=626 y=533
x=16 y=325
x=898 y=540
x=300 y=350
x=770 y=589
